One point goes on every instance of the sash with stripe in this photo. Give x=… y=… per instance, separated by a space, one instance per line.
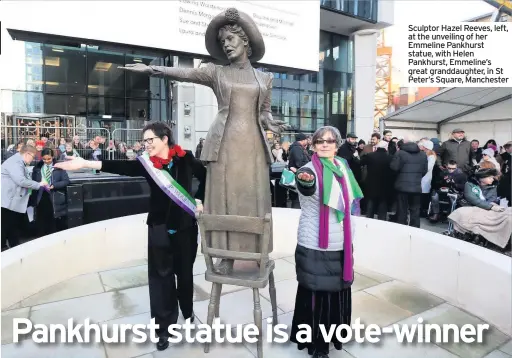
x=169 y=186
x=46 y=175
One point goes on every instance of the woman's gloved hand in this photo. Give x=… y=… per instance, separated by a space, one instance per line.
x=306 y=177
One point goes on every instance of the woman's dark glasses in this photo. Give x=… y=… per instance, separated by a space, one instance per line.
x=328 y=141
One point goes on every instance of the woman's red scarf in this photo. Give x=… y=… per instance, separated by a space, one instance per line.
x=174 y=151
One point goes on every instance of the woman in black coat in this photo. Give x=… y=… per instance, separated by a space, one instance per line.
x=172 y=227
x=50 y=205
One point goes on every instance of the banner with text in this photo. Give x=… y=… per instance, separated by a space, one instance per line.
x=290 y=28
x=458 y=55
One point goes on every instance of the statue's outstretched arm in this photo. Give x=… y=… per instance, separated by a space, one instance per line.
x=203 y=76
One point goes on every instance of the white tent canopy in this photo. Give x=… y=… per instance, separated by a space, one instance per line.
x=483 y=113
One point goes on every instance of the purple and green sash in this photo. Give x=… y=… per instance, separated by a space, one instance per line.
x=169 y=186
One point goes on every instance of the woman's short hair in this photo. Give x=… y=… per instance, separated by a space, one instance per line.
x=161 y=130
x=327 y=129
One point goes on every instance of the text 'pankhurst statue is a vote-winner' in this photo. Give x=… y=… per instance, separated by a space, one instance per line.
x=236 y=148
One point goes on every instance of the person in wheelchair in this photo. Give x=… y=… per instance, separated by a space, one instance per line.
x=480 y=219
x=481 y=190
x=449 y=183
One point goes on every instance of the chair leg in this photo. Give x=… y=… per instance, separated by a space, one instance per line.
x=218 y=301
x=273 y=301
x=211 y=311
x=258 y=318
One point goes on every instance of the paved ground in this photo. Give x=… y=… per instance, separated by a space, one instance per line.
x=120 y=295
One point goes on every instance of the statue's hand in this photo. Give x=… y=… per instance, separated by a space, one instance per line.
x=136 y=67
x=274 y=126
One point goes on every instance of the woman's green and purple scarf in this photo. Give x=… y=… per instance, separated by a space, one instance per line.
x=340 y=191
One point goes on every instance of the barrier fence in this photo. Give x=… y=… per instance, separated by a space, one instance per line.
x=88 y=143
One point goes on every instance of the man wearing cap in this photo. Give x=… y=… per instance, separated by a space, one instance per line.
x=458 y=149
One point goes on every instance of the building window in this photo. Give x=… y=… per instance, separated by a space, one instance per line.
x=105 y=106
x=140 y=85
x=138 y=110
x=34 y=66
x=340 y=54
x=307 y=102
x=104 y=76
x=65 y=104
x=64 y=70
x=27 y=102
x=275 y=104
x=364 y=9
x=325 y=55
x=290 y=103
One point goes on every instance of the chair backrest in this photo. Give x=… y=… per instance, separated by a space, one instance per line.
x=241 y=224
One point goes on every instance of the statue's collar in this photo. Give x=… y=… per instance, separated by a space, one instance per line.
x=241 y=66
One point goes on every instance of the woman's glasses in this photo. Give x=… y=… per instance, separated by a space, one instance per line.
x=328 y=141
x=148 y=140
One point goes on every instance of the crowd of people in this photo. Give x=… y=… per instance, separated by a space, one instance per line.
x=39 y=210
x=93 y=149
x=406 y=179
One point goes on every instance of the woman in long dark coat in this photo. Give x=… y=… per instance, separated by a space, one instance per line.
x=172 y=227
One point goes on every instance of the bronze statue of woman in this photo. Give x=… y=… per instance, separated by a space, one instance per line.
x=235 y=148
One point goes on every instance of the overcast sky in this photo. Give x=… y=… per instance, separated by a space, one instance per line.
x=423 y=12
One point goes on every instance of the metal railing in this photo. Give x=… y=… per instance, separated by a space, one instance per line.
x=121 y=143
x=128 y=143
x=79 y=138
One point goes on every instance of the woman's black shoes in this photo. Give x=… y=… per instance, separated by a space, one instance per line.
x=163 y=343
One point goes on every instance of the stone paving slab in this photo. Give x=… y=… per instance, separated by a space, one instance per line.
x=120 y=295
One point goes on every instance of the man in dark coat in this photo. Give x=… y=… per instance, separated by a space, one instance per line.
x=411 y=164
x=298 y=158
x=378 y=181
x=476 y=152
x=348 y=151
x=458 y=149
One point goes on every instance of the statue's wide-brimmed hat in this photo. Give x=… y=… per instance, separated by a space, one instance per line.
x=232 y=16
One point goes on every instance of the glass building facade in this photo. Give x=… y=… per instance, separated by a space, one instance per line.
x=309 y=101
x=85 y=82
x=363 y=9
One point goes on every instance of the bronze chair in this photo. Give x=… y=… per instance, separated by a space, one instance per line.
x=256 y=275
